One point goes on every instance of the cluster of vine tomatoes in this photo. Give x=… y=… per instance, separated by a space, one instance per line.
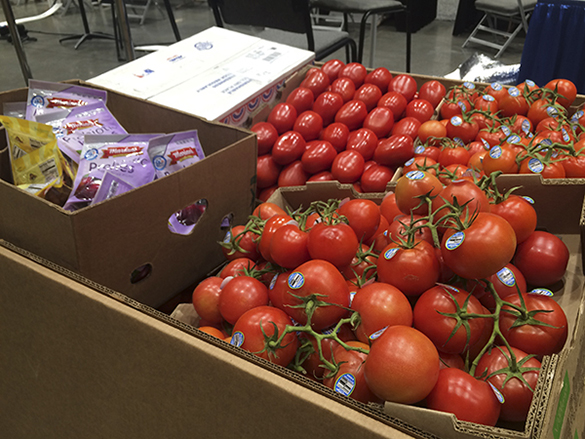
x=437 y=295
x=343 y=123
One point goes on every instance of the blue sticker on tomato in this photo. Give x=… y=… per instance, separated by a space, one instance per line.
x=488 y=98
x=514 y=139
x=526 y=126
x=415 y=175
x=495 y=152
x=419 y=149
x=507 y=277
x=389 y=254
x=535 y=165
x=506 y=130
x=497 y=86
x=273 y=282
x=376 y=335
x=529 y=199
x=345 y=384
x=578 y=115
x=498 y=394
x=541 y=292
x=296 y=280
x=455 y=240
x=456 y=121
x=237 y=339
x=514 y=92
x=469 y=85
x=228 y=237
x=409 y=162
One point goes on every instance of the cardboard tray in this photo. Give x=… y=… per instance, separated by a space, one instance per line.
x=108 y=241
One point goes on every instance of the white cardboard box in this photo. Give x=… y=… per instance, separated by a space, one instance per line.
x=218 y=74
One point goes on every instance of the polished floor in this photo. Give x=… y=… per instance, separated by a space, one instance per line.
x=435 y=50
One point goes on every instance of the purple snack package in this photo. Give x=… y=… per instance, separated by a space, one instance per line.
x=44 y=96
x=111 y=186
x=125 y=156
x=175 y=151
x=71 y=126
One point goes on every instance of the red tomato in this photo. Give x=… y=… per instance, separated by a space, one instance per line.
x=353 y=113
x=468 y=398
x=402 y=366
x=453 y=155
x=394 y=101
x=318 y=156
x=506 y=281
x=282 y=117
x=448 y=332
x=528 y=335
x=293 y=175
x=327 y=105
x=486 y=103
x=267 y=171
x=236 y=267
x=431 y=131
x=500 y=158
x=520 y=213
x=348 y=166
x=369 y=94
x=363 y=261
x=420 y=163
x=513 y=103
x=332 y=68
x=335 y=243
x=239 y=242
x=336 y=134
x=206 y=299
x=395 y=150
x=364 y=141
x=345 y=87
x=542 y=258
x=254 y=326
x=239 y=295
x=397 y=228
x=301 y=98
x=288 y=246
x=354 y=71
x=289 y=147
x=380 y=120
x=322 y=176
x=464 y=191
x=496 y=90
x=265 y=211
x=321 y=278
x=458 y=127
x=433 y=91
x=380 y=305
x=388 y=207
x=266 y=135
x=480 y=250
x=517 y=394
x=376 y=178
x=533 y=165
x=405 y=85
x=420 y=109
x=380 y=77
x=412 y=185
x=408 y=126
x=565 y=88
x=362 y=215
x=309 y=125
x=316 y=80
x=272 y=224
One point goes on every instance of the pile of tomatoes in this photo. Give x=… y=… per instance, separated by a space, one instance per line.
x=439 y=295
x=343 y=123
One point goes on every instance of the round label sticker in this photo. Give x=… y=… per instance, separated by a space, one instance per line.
x=456 y=121
x=237 y=339
x=529 y=199
x=530 y=83
x=389 y=254
x=488 y=98
x=273 y=282
x=496 y=152
x=514 y=139
x=448 y=287
x=498 y=394
x=228 y=237
x=486 y=144
x=545 y=142
x=507 y=277
x=514 y=92
x=91 y=154
x=296 y=280
x=351 y=297
x=376 y=335
x=159 y=162
x=496 y=86
x=345 y=384
x=535 y=165
x=37 y=101
x=578 y=115
x=566 y=136
x=415 y=175
x=469 y=85
x=203 y=45
x=541 y=292
x=506 y=130
x=455 y=240
x=526 y=126
x=409 y=162
x=462 y=105
x=551 y=111
x=419 y=149
x=458 y=141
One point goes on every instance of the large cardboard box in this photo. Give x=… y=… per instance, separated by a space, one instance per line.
x=108 y=241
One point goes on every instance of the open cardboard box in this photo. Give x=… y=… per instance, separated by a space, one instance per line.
x=108 y=241
x=81 y=359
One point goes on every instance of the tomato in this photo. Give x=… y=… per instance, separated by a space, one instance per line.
x=364 y=141
x=450 y=108
x=240 y=294
x=447 y=331
x=397 y=228
x=348 y=166
x=362 y=215
x=412 y=185
x=520 y=213
x=301 y=98
x=506 y=281
x=420 y=109
x=327 y=105
x=254 y=326
x=353 y=113
x=236 y=267
x=420 y=163
x=395 y=150
x=408 y=126
x=289 y=147
x=500 y=158
x=282 y=117
x=332 y=68
x=272 y=224
x=316 y=80
x=293 y=174
x=364 y=262
x=542 y=258
x=205 y=299
x=496 y=90
x=213 y=331
x=513 y=103
x=265 y=211
x=533 y=337
x=468 y=398
x=380 y=305
x=318 y=278
x=240 y=243
x=288 y=246
x=427 y=151
x=345 y=87
x=380 y=77
x=458 y=127
x=405 y=85
x=480 y=250
x=335 y=243
x=431 y=131
x=486 y=103
x=453 y=155
x=376 y=178
x=322 y=176
x=354 y=71
x=574 y=166
x=451 y=360
x=309 y=125
x=388 y=207
x=266 y=135
x=565 y=88
x=267 y=171
x=336 y=134
x=380 y=120
x=318 y=156
x=539 y=111
x=433 y=91
x=533 y=165
x=464 y=191
x=402 y=366
x=411 y=270
x=369 y=94
x=395 y=102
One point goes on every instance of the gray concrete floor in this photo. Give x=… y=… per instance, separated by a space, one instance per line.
x=435 y=51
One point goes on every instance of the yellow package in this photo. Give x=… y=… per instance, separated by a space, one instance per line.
x=38 y=166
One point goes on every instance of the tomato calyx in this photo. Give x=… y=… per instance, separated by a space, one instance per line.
x=515 y=368
x=232 y=241
x=327 y=211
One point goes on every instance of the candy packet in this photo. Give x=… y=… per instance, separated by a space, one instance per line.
x=111 y=186
x=14 y=109
x=44 y=97
x=169 y=154
x=70 y=126
x=38 y=166
x=124 y=156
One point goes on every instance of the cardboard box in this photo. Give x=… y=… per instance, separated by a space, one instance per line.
x=217 y=74
x=108 y=241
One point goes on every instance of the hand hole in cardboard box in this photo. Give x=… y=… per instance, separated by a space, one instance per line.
x=226 y=222
x=184 y=220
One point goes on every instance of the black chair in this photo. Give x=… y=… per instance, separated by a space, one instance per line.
x=282 y=21
x=369 y=8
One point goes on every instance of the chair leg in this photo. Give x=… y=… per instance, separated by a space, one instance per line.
x=345 y=28
x=408 y=40
x=362 y=37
